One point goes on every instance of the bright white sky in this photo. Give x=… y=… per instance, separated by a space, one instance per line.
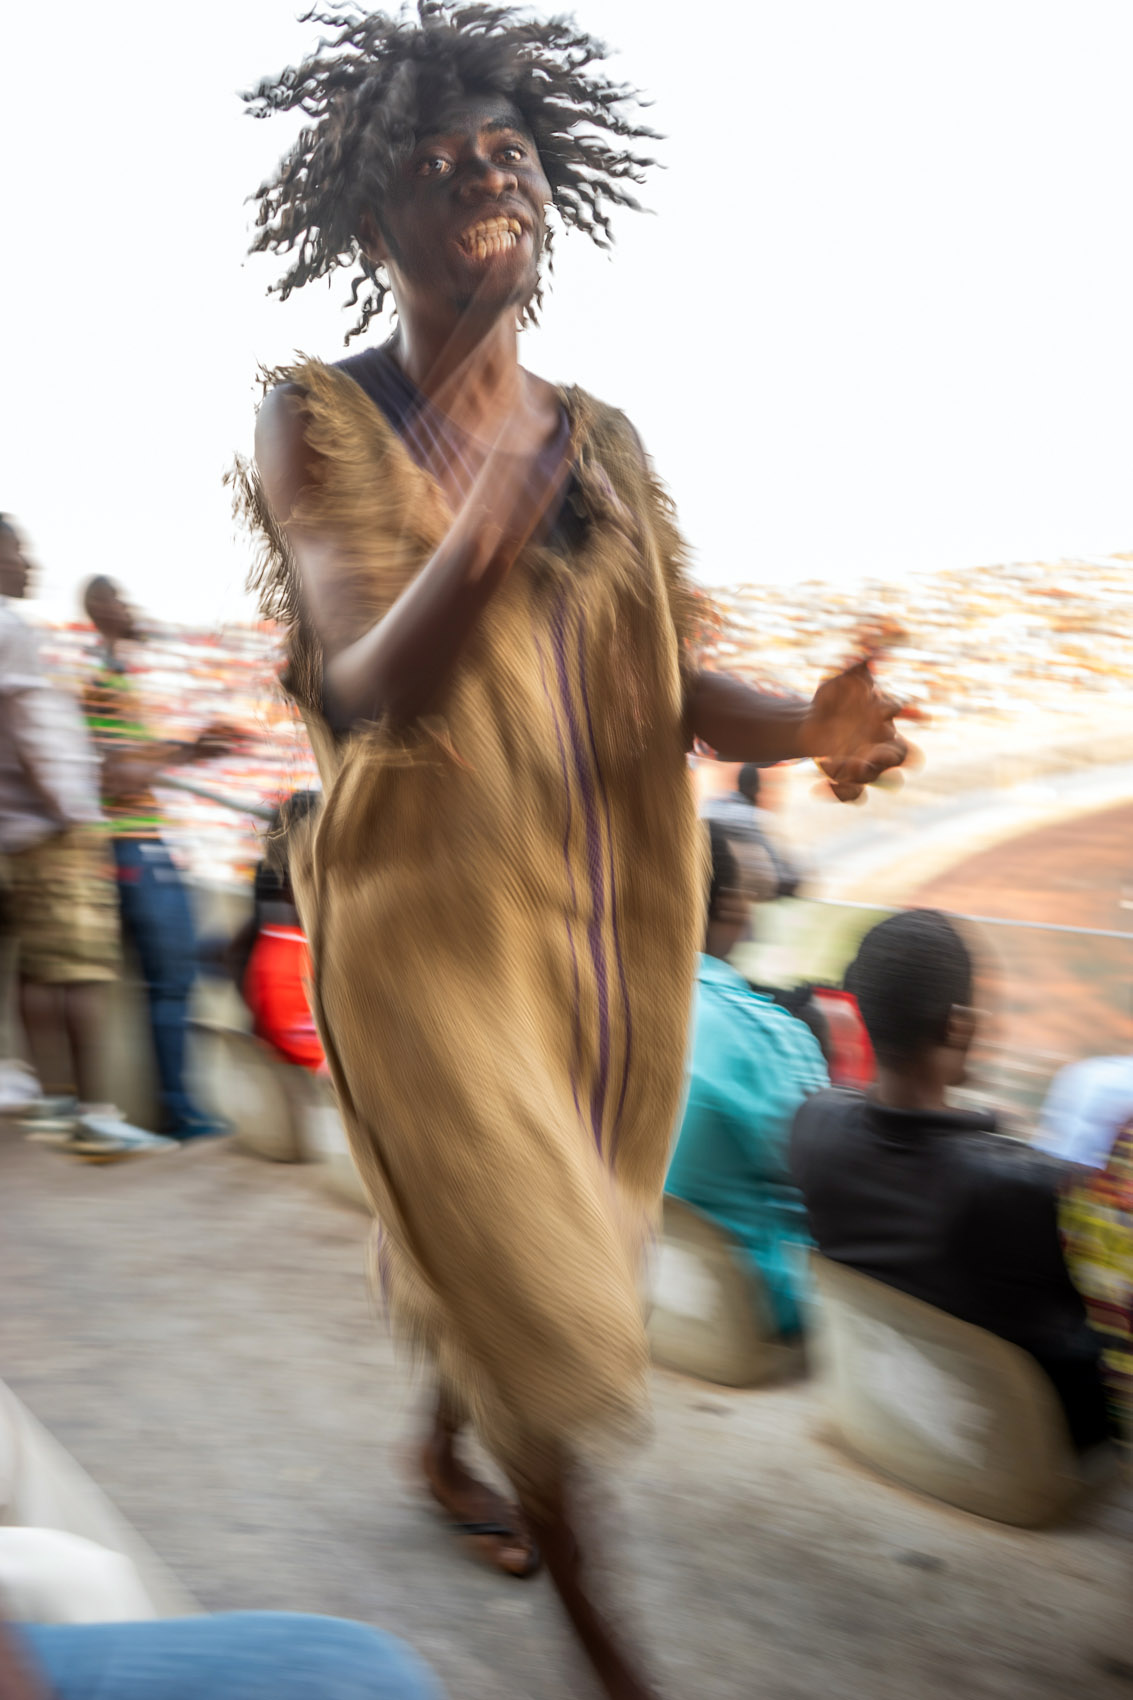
x=880 y=322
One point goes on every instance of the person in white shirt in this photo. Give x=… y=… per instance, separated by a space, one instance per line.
x=62 y=897
x=1086 y=1107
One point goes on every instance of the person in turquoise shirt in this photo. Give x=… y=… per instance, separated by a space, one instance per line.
x=751 y=1067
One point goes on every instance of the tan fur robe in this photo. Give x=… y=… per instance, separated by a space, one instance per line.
x=504 y=907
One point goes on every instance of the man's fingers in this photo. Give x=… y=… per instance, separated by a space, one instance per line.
x=893 y=751
x=867 y=765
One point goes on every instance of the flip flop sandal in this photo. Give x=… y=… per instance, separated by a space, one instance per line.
x=499 y=1532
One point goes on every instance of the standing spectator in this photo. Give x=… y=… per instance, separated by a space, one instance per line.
x=750 y=831
x=752 y=1066
x=156 y=912
x=62 y=907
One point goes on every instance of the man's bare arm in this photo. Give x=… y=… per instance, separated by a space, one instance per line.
x=127 y=771
x=847 y=727
x=401 y=666
x=739 y=723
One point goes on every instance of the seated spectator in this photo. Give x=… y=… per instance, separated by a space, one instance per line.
x=232 y=1656
x=1087 y=1106
x=832 y=1016
x=752 y=1065
x=931 y=1200
x=276 y=966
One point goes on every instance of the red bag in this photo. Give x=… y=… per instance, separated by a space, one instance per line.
x=851 y=1054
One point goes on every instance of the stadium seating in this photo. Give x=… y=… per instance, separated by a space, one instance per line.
x=938 y=1405
x=243 y=1082
x=708 y=1316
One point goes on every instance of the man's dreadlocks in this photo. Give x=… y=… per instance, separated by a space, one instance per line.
x=371 y=86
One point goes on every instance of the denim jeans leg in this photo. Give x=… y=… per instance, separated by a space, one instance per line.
x=158 y=919
x=230 y=1656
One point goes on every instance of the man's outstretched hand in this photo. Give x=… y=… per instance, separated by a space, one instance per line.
x=850 y=732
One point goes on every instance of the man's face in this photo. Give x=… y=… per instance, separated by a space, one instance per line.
x=15 y=572
x=112 y=614
x=465 y=219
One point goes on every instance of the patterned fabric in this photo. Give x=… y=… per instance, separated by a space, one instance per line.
x=113 y=708
x=504 y=903
x=64 y=908
x=1097 y=1227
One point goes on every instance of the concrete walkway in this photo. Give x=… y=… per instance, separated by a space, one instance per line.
x=196 y=1329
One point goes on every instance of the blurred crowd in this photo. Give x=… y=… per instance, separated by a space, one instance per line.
x=779 y=1146
x=818 y=1118
x=972 y=647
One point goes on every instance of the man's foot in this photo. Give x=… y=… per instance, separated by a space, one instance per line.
x=50 y=1120
x=496 y=1532
x=102 y=1136
x=19 y=1089
x=199 y=1127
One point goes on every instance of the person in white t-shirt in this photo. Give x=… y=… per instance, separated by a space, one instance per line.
x=1086 y=1107
x=62 y=897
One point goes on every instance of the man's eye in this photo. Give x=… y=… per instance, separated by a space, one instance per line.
x=512 y=153
x=434 y=166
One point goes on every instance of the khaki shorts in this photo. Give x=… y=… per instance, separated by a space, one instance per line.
x=62 y=903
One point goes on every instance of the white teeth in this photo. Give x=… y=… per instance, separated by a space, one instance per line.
x=491 y=236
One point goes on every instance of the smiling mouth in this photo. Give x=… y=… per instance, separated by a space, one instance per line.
x=490 y=237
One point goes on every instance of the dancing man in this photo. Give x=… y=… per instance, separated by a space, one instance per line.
x=492 y=642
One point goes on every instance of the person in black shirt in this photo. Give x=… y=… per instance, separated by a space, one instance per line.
x=934 y=1201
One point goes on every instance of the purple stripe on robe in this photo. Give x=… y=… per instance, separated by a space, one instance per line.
x=619 y=959
x=594 y=867
x=576 y=1018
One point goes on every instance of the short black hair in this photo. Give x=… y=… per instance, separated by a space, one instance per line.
x=100 y=585
x=910 y=972
x=377 y=78
x=747 y=781
x=725 y=868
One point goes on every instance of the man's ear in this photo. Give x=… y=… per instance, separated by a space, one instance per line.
x=373 y=242
x=962 y=1023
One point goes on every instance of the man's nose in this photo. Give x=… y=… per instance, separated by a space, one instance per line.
x=485 y=180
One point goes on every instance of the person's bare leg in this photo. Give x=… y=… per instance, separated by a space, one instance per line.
x=41 y=1019
x=553 y=1525
x=83 y=1019
x=506 y=1541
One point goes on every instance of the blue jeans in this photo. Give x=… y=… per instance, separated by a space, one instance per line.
x=158 y=921
x=233 y=1656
